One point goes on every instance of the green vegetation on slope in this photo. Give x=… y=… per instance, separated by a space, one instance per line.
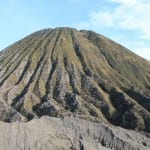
x=62 y=71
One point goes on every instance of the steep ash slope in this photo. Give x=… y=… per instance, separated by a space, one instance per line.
x=62 y=71
x=68 y=133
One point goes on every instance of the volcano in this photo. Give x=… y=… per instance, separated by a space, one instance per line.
x=64 y=72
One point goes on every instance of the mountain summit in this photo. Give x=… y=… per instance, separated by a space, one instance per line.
x=61 y=72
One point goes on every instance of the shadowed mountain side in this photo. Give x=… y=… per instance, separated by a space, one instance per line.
x=62 y=71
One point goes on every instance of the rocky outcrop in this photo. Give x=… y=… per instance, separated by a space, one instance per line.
x=8 y=114
x=69 y=133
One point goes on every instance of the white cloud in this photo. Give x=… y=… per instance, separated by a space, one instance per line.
x=125 y=2
x=144 y=52
x=127 y=15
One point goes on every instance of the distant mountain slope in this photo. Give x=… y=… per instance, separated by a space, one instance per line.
x=125 y=62
x=62 y=71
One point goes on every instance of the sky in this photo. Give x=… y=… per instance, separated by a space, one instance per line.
x=124 y=21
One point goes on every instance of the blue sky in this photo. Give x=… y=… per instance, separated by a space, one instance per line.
x=125 y=21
